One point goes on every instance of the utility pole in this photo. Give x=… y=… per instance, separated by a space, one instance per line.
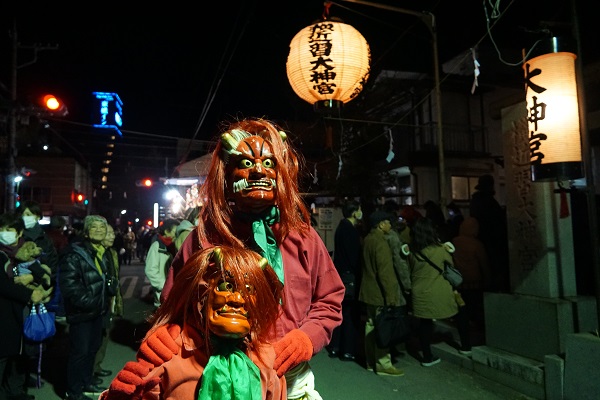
x=12 y=125
x=9 y=205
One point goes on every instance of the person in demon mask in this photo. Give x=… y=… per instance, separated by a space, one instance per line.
x=220 y=326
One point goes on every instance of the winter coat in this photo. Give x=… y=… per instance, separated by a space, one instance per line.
x=379 y=286
x=158 y=261
x=470 y=256
x=400 y=264
x=432 y=295
x=82 y=285
x=13 y=300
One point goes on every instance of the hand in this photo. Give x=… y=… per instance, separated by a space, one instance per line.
x=294 y=348
x=129 y=384
x=159 y=347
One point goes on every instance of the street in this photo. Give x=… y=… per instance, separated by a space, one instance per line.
x=334 y=379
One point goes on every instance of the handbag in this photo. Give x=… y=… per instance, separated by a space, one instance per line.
x=450 y=272
x=392 y=326
x=39 y=324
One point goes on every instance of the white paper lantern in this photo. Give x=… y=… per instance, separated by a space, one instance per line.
x=553 y=114
x=328 y=63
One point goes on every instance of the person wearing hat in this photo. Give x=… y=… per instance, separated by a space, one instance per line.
x=379 y=288
x=493 y=231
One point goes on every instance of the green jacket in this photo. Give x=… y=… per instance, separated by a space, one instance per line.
x=379 y=286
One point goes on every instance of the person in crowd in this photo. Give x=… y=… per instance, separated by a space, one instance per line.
x=347 y=254
x=119 y=245
x=432 y=295
x=216 y=354
x=492 y=230
x=434 y=212
x=16 y=292
x=184 y=228
x=471 y=259
x=140 y=252
x=455 y=218
x=410 y=215
x=31 y=213
x=379 y=287
x=56 y=233
x=400 y=262
x=253 y=201
x=76 y=232
x=159 y=257
x=116 y=302
x=129 y=245
x=83 y=282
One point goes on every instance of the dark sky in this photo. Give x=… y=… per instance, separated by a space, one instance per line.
x=170 y=63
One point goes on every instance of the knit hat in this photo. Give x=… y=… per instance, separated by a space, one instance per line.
x=378 y=216
x=184 y=225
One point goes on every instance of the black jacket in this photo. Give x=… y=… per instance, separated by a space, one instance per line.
x=83 y=287
x=13 y=300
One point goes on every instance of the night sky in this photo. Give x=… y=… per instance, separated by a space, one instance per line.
x=182 y=68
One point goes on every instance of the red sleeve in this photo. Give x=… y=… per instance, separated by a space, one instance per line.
x=189 y=245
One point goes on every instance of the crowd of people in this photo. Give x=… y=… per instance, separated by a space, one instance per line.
x=258 y=293
x=387 y=257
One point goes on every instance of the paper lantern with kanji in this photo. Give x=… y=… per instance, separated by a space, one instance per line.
x=328 y=63
x=553 y=113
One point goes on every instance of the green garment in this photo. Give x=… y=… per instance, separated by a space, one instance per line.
x=230 y=373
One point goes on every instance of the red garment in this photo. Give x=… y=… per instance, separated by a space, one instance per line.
x=470 y=256
x=307 y=264
x=180 y=375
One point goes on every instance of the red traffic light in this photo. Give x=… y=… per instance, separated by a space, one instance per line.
x=52 y=105
x=145 y=182
x=51 y=102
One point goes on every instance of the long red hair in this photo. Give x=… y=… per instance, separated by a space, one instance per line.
x=197 y=278
x=215 y=214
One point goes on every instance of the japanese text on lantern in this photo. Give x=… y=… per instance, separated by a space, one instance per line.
x=536 y=112
x=320 y=47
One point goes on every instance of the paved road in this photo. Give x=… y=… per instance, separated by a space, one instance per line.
x=335 y=380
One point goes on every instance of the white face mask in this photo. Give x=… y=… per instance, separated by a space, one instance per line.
x=358 y=215
x=8 y=237
x=30 y=221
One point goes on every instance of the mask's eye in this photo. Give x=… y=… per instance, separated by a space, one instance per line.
x=269 y=163
x=225 y=287
x=245 y=163
x=250 y=289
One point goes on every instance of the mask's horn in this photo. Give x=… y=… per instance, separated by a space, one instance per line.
x=263 y=263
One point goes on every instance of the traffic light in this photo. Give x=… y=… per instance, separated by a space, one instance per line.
x=52 y=105
x=79 y=198
x=147 y=182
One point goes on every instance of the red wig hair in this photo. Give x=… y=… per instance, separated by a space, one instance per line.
x=202 y=273
x=215 y=215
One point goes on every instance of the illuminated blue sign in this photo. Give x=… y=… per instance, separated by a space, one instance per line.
x=110 y=111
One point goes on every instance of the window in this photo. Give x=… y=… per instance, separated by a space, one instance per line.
x=463 y=187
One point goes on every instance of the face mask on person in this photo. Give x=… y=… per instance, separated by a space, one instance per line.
x=358 y=215
x=8 y=237
x=30 y=221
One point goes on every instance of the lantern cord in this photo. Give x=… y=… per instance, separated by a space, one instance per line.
x=326 y=7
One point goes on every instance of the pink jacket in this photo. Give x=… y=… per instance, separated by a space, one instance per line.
x=313 y=290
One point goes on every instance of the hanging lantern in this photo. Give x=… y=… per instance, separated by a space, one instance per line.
x=328 y=63
x=553 y=113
